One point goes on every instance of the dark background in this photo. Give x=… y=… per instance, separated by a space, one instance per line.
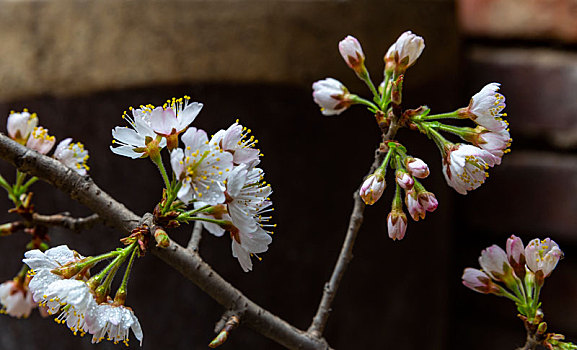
x=255 y=61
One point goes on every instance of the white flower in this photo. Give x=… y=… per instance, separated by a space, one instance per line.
x=465 y=167
x=76 y=301
x=40 y=141
x=133 y=141
x=542 y=255
x=495 y=142
x=73 y=155
x=114 y=323
x=21 y=125
x=406 y=49
x=202 y=167
x=247 y=200
x=485 y=108
x=16 y=299
x=42 y=263
x=332 y=96
x=174 y=117
x=352 y=52
x=234 y=140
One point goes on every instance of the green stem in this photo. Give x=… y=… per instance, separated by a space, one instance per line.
x=383 y=166
x=29 y=183
x=5 y=184
x=20 y=176
x=361 y=100
x=124 y=285
x=508 y=294
x=160 y=166
x=172 y=194
x=214 y=221
x=451 y=115
x=434 y=135
x=385 y=98
x=397 y=200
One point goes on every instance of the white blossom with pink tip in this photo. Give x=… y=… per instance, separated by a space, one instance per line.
x=465 y=167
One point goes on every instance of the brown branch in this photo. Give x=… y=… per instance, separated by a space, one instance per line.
x=186 y=261
x=194 y=243
x=66 y=221
x=321 y=317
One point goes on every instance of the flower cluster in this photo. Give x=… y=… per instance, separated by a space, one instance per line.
x=518 y=273
x=23 y=128
x=522 y=271
x=218 y=176
x=61 y=283
x=464 y=165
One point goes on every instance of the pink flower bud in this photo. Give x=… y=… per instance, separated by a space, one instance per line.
x=373 y=188
x=428 y=201
x=416 y=210
x=352 y=53
x=397 y=224
x=494 y=262
x=417 y=167
x=516 y=255
x=404 y=180
x=542 y=256
x=479 y=281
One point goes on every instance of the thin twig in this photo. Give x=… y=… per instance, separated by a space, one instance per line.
x=190 y=264
x=321 y=317
x=66 y=221
x=194 y=242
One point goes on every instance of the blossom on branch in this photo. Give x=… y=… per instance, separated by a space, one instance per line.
x=542 y=256
x=73 y=155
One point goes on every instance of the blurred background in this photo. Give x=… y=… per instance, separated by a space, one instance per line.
x=80 y=64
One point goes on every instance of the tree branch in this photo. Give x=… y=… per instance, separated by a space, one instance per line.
x=194 y=242
x=66 y=221
x=320 y=319
x=187 y=262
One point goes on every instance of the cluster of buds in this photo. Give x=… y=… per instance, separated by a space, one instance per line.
x=518 y=273
x=217 y=176
x=408 y=171
x=464 y=165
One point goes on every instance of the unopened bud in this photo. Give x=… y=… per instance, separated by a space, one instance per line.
x=397 y=224
x=479 y=281
x=428 y=201
x=404 y=179
x=542 y=328
x=161 y=238
x=417 y=167
x=416 y=210
x=373 y=187
x=352 y=53
x=516 y=255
